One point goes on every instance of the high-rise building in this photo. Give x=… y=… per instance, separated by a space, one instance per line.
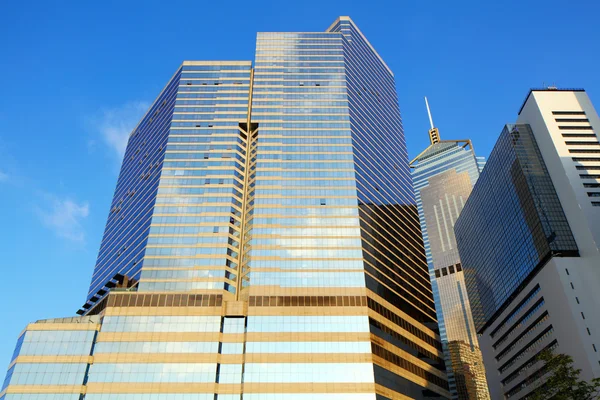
x=527 y=238
x=263 y=243
x=443 y=176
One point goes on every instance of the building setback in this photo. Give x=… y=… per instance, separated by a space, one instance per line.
x=443 y=176
x=527 y=237
x=263 y=243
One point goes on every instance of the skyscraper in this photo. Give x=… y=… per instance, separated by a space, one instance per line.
x=527 y=240
x=443 y=176
x=263 y=243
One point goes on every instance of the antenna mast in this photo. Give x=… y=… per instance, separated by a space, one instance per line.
x=434 y=134
x=429 y=112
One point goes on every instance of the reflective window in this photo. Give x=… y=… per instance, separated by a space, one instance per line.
x=57 y=343
x=234 y=325
x=155 y=372
x=308 y=324
x=48 y=374
x=232 y=348
x=308 y=347
x=309 y=373
x=162 y=324
x=156 y=347
x=230 y=373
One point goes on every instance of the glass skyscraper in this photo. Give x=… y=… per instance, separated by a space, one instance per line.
x=443 y=176
x=263 y=243
x=519 y=192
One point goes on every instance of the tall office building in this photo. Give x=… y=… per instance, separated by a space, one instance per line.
x=443 y=176
x=263 y=243
x=528 y=241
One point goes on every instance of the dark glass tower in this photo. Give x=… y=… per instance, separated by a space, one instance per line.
x=519 y=192
x=263 y=242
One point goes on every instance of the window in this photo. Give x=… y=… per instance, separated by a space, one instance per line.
x=581 y=135
x=458 y=267
x=591 y=185
x=444 y=271
x=572 y=120
x=568 y=112
x=582 y=143
x=567 y=271
x=588 y=167
x=577 y=300
x=588 y=331
x=575 y=127
x=576 y=159
x=572 y=287
x=451 y=269
x=323 y=202
x=582 y=315
x=593 y=194
x=437 y=273
x=596 y=203
x=588 y=176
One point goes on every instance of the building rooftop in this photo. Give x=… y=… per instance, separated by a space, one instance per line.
x=548 y=89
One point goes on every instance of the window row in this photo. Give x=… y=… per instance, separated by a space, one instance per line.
x=140 y=299
x=298 y=323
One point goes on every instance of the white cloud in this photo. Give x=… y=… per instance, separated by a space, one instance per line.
x=64 y=216
x=3 y=176
x=115 y=124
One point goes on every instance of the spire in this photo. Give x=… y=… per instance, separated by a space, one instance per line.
x=434 y=133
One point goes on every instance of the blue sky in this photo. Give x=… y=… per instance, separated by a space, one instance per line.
x=76 y=76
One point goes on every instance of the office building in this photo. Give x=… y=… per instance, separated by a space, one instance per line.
x=443 y=176
x=263 y=243
x=527 y=238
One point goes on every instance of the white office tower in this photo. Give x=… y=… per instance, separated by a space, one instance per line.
x=528 y=240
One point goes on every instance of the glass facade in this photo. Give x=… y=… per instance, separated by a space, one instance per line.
x=51 y=360
x=500 y=259
x=278 y=252
x=126 y=233
x=443 y=177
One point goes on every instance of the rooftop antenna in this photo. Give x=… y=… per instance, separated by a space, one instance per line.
x=429 y=112
x=434 y=133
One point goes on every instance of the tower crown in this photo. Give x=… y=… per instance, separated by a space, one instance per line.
x=434 y=133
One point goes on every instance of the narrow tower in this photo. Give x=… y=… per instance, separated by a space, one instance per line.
x=443 y=175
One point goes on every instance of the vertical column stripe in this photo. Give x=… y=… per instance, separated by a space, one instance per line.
x=437 y=220
x=445 y=224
